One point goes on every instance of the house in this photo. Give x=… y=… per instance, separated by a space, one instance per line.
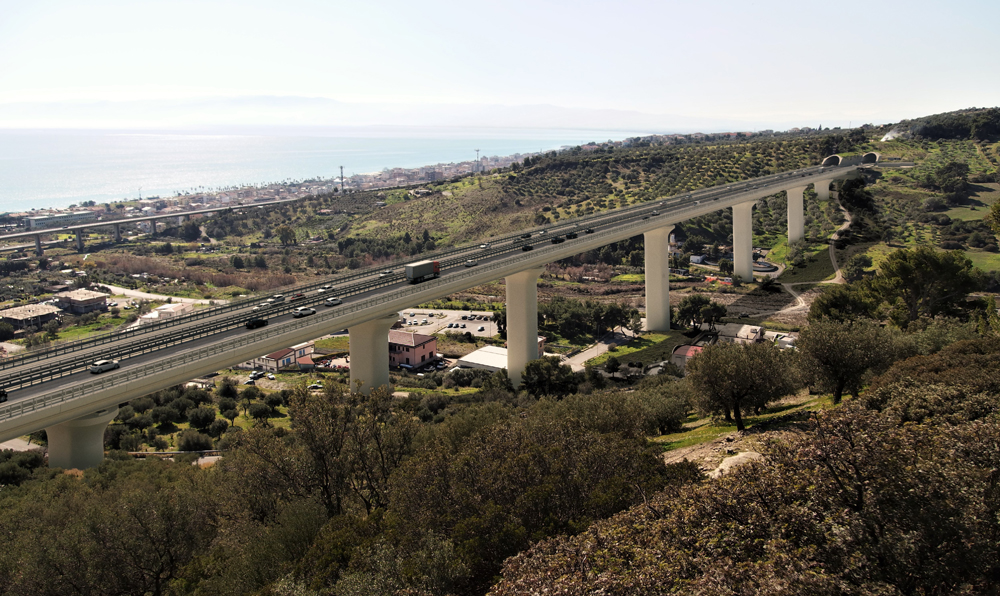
x=737 y=333
x=82 y=301
x=410 y=350
x=491 y=358
x=682 y=354
x=298 y=355
x=29 y=316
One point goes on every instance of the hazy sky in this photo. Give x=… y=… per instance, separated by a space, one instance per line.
x=757 y=62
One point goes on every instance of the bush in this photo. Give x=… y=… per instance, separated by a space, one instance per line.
x=201 y=417
x=192 y=440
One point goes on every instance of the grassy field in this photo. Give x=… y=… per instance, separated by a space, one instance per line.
x=648 y=348
x=698 y=430
x=340 y=343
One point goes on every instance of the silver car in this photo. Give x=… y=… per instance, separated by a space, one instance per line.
x=99 y=366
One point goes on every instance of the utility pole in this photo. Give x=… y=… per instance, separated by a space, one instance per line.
x=341 y=179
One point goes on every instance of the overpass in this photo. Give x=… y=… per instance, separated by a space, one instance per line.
x=116 y=224
x=53 y=390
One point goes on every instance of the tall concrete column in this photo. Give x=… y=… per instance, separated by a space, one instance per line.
x=118 y=232
x=370 y=354
x=38 y=245
x=796 y=219
x=79 y=241
x=743 y=240
x=522 y=321
x=657 y=268
x=823 y=190
x=152 y=227
x=79 y=443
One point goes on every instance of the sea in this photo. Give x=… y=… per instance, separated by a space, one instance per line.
x=57 y=168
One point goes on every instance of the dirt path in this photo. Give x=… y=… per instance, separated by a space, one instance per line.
x=577 y=361
x=148 y=296
x=839 y=278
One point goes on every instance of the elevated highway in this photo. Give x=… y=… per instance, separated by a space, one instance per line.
x=53 y=390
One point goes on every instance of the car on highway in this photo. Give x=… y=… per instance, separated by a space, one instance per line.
x=571 y=235
x=261 y=306
x=525 y=236
x=471 y=263
x=256 y=323
x=3 y=395
x=589 y=231
x=99 y=366
x=303 y=311
x=487 y=245
x=276 y=298
x=655 y=213
x=527 y=247
x=295 y=297
x=333 y=301
x=385 y=273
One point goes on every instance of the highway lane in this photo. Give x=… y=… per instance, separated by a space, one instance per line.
x=228 y=320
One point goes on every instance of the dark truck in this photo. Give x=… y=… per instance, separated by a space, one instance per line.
x=422 y=271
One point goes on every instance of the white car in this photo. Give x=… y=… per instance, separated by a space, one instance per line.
x=99 y=366
x=261 y=306
x=303 y=311
x=487 y=245
x=333 y=301
x=471 y=263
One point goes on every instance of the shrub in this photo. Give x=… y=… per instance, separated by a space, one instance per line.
x=192 y=440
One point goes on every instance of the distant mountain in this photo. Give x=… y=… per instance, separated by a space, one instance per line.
x=267 y=111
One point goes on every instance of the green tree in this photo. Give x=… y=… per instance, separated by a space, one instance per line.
x=856 y=266
x=286 y=235
x=923 y=282
x=201 y=418
x=548 y=376
x=737 y=378
x=612 y=365
x=689 y=311
x=844 y=303
x=190 y=231
x=838 y=355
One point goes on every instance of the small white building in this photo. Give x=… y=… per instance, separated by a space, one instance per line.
x=737 y=333
x=165 y=312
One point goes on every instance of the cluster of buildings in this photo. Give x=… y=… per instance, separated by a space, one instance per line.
x=35 y=316
x=735 y=333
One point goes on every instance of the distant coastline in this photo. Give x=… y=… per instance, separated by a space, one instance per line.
x=51 y=169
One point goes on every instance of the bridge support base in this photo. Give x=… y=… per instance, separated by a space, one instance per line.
x=796 y=218
x=522 y=321
x=657 y=268
x=743 y=240
x=370 y=354
x=79 y=443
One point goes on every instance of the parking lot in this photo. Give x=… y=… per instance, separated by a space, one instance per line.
x=437 y=321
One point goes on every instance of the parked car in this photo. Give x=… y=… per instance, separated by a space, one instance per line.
x=256 y=374
x=423 y=322
x=315 y=386
x=249 y=382
x=303 y=311
x=481 y=328
x=465 y=317
x=463 y=325
x=270 y=377
x=255 y=323
x=99 y=366
x=333 y=301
